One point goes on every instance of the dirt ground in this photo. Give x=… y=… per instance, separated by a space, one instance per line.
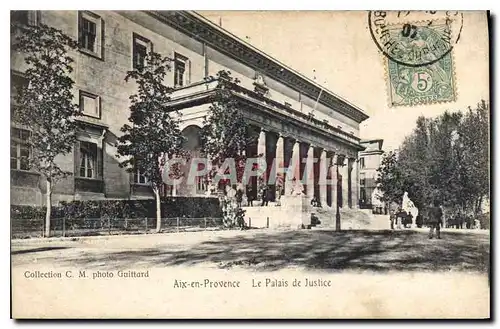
x=354 y=273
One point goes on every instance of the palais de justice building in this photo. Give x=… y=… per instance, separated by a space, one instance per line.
x=278 y=102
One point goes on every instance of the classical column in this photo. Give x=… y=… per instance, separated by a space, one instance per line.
x=294 y=168
x=309 y=172
x=354 y=184
x=333 y=180
x=323 y=168
x=261 y=153
x=280 y=161
x=240 y=181
x=345 y=183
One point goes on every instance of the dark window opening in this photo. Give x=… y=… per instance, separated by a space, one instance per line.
x=20 y=150
x=88 y=34
x=139 y=55
x=361 y=162
x=88 y=160
x=180 y=71
x=139 y=177
x=141 y=46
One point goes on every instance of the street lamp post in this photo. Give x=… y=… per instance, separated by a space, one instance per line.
x=340 y=162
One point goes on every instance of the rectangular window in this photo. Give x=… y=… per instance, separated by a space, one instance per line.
x=90 y=33
x=201 y=181
x=141 y=47
x=20 y=150
x=181 y=70
x=201 y=185
x=139 y=177
x=88 y=160
x=90 y=104
x=362 y=179
x=17 y=82
x=361 y=163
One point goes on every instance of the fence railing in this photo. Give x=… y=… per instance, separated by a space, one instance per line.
x=70 y=227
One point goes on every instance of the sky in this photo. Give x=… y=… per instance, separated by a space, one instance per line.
x=337 y=49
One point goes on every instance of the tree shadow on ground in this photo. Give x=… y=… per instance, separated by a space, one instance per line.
x=32 y=250
x=320 y=250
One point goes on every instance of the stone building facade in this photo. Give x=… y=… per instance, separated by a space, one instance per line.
x=369 y=161
x=293 y=117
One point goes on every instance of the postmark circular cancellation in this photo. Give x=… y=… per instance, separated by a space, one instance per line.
x=417 y=47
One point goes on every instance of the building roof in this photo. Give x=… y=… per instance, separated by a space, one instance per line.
x=202 y=29
x=372 y=145
x=372 y=140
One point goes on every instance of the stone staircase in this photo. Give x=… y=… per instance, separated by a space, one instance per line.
x=351 y=219
x=294 y=213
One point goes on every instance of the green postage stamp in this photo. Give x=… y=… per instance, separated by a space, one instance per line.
x=419 y=62
x=433 y=83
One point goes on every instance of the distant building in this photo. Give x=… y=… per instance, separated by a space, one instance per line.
x=369 y=162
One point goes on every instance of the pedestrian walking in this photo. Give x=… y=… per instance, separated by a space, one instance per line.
x=239 y=197
x=400 y=217
x=250 y=196
x=435 y=214
x=392 y=218
x=279 y=190
x=265 y=195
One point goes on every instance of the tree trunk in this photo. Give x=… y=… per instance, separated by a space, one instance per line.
x=49 y=206
x=158 y=209
x=479 y=204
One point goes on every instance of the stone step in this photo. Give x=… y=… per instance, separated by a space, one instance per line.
x=293 y=213
x=351 y=219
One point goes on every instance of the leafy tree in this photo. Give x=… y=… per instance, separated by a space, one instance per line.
x=224 y=132
x=153 y=134
x=445 y=159
x=390 y=178
x=44 y=104
x=474 y=141
x=442 y=158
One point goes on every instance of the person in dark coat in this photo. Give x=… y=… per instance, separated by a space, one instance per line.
x=435 y=220
x=250 y=196
x=265 y=195
x=400 y=218
x=239 y=197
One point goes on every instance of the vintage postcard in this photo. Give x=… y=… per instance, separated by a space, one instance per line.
x=250 y=164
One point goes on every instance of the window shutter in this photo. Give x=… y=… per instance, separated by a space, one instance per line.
x=98 y=106
x=99 y=151
x=100 y=38
x=80 y=28
x=134 y=55
x=188 y=72
x=77 y=158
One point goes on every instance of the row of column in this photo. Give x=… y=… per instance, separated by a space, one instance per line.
x=327 y=178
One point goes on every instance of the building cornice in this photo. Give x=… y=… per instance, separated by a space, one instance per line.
x=201 y=29
x=379 y=152
x=203 y=93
